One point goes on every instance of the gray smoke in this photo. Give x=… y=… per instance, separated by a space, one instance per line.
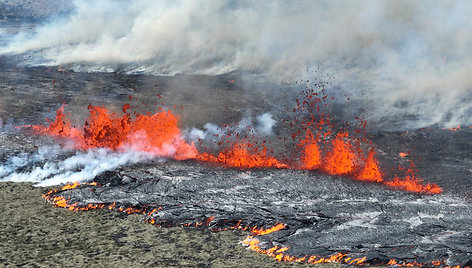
x=410 y=58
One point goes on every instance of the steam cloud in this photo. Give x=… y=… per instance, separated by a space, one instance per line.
x=53 y=165
x=261 y=126
x=411 y=58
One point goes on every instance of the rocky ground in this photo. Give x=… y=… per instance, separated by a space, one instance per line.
x=33 y=233
x=31 y=10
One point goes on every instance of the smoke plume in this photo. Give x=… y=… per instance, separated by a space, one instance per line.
x=407 y=61
x=53 y=165
x=259 y=126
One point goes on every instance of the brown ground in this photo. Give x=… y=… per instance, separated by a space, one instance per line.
x=33 y=233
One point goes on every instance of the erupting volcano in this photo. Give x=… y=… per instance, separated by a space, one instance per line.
x=312 y=131
x=320 y=148
x=313 y=182
x=160 y=135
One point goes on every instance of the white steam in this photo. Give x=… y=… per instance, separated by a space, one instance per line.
x=265 y=123
x=411 y=58
x=46 y=169
x=259 y=127
x=54 y=165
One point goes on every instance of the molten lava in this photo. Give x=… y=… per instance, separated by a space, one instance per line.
x=341 y=159
x=411 y=183
x=371 y=171
x=455 y=128
x=311 y=157
x=59 y=201
x=158 y=133
x=277 y=252
x=403 y=154
x=272 y=229
x=243 y=155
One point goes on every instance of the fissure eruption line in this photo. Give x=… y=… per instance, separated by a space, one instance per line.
x=159 y=134
x=319 y=147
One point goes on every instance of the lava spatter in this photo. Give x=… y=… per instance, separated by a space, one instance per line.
x=157 y=133
x=412 y=183
x=160 y=135
x=243 y=155
x=370 y=171
x=341 y=159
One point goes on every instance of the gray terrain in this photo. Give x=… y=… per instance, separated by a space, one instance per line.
x=323 y=214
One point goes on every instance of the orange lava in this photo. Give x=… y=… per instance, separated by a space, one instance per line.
x=59 y=201
x=340 y=160
x=403 y=154
x=411 y=183
x=371 y=171
x=455 y=128
x=158 y=133
x=311 y=157
x=70 y=186
x=275 y=228
x=277 y=252
x=60 y=126
x=243 y=155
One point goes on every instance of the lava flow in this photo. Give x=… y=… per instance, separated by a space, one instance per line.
x=160 y=135
x=277 y=252
x=322 y=148
x=59 y=201
x=412 y=183
x=243 y=155
x=157 y=134
x=253 y=240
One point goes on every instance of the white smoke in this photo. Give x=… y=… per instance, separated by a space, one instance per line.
x=265 y=123
x=54 y=165
x=46 y=169
x=260 y=126
x=44 y=153
x=411 y=58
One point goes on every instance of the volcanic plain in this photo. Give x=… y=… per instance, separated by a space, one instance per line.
x=35 y=233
